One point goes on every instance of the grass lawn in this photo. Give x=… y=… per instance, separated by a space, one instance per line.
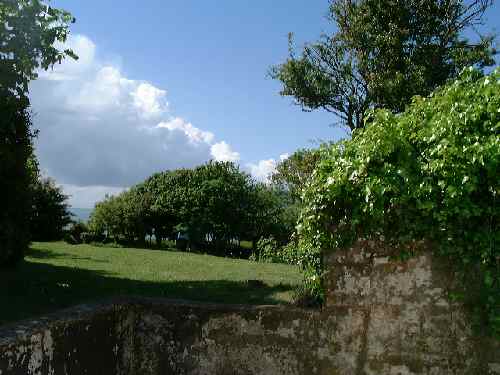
x=56 y=275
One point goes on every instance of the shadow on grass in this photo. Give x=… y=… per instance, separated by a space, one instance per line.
x=33 y=289
x=49 y=254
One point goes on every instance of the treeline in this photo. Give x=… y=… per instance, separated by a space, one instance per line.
x=212 y=207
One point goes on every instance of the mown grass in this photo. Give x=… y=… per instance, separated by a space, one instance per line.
x=55 y=275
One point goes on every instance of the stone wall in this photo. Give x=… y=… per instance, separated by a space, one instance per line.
x=409 y=324
x=171 y=337
x=381 y=317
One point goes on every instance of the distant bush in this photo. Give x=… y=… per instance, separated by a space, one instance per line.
x=70 y=239
x=88 y=237
x=50 y=212
x=73 y=235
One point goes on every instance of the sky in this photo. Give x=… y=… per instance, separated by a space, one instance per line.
x=169 y=84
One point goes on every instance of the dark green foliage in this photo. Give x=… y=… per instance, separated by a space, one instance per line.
x=429 y=173
x=383 y=53
x=29 y=30
x=293 y=173
x=49 y=211
x=270 y=251
x=15 y=179
x=170 y=201
x=220 y=198
x=272 y=212
x=213 y=206
x=266 y=250
x=123 y=218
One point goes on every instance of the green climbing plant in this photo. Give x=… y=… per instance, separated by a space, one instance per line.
x=431 y=173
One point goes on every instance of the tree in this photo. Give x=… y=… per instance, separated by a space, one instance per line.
x=383 y=53
x=15 y=179
x=170 y=201
x=109 y=218
x=293 y=172
x=220 y=199
x=49 y=211
x=215 y=204
x=272 y=213
x=29 y=30
x=135 y=209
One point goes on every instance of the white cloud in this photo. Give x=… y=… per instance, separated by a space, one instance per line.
x=195 y=135
x=263 y=170
x=85 y=196
x=103 y=91
x=101 y=131
x=222 y=152
x=148 y=99
x=68 y=69
x=284 y=156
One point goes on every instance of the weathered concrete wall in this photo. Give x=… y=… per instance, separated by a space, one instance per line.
x=381 y=317
x=171 y=337
x=83 y=340
x=409 y=324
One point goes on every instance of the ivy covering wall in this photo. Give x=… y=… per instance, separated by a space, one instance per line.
x=432 y=173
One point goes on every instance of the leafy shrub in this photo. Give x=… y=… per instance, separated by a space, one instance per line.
x=428 y=173
x=269 y=250
x=289 y=253
x=70 y=239
x=307 y=295
x=89 y=237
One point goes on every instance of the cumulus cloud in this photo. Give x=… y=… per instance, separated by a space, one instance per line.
x=284 y=156
x=148 y=99
x=222 y=152
x=85 y=196
x=101 y=130
x=195 y=135
x=262 y=170
x=68 y=69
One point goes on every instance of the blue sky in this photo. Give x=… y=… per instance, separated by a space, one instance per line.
x=212 y=57
x=209 y=60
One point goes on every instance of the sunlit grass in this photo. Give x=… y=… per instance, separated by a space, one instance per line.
x=56 y=275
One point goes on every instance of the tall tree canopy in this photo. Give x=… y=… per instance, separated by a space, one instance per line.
x=29 y=32
x=383 y=53
x=293 y=172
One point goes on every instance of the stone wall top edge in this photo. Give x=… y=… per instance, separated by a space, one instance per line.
x=364 y=250
x=11 y=332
